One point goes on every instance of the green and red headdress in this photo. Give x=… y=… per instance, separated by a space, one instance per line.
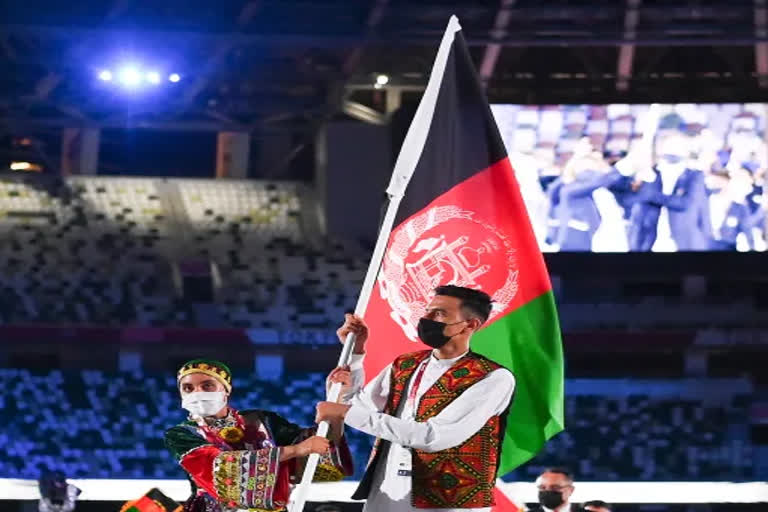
x=210 y=367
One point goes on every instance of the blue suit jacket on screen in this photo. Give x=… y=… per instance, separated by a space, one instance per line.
x=688 y=207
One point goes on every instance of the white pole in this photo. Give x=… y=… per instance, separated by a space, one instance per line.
x=299 y=495
x=406 y=163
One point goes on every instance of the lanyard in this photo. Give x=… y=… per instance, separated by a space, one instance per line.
x=416 y=383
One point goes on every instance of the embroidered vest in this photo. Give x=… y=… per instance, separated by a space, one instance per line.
x=460 y=477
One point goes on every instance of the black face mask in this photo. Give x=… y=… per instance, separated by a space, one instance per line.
x=431 y=332
x=551 y=499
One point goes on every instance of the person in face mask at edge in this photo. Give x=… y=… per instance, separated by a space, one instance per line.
x=56 y=494
x=241 y=460
x=555 y=487
x=434 y=412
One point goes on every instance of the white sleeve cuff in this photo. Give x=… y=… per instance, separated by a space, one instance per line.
x=356 y=361
x=357 y=416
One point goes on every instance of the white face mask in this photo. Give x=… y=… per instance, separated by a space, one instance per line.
x=204 y=403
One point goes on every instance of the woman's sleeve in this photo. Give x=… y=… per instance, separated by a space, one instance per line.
x=333 y=466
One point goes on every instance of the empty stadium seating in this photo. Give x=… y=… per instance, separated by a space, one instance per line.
x=646 y=438
x=243 y=208
x=96 y=250
x=82 y=251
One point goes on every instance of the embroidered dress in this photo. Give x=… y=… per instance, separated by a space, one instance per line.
x=234 y=463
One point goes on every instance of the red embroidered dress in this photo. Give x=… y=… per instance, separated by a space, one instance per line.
x=235 y=463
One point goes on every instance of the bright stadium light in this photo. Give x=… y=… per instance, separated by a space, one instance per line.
x=129 y=76
x=25 y=166
x=382 y=80
x=105 y=75
x=153 y=77
x=174 y=77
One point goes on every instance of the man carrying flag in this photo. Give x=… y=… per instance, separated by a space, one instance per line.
x=461 y=221
x=438 y=414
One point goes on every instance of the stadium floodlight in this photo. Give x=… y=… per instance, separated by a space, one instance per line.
x=129 y=76
x=174 y=77
x=105 y=75
x=25 y=166
x=153 y=77
x=382 y=80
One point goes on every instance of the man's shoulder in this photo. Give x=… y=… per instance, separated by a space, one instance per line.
x=405 y=361
x=485 y=362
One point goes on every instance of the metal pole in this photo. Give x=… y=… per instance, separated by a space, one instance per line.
x=299 y=495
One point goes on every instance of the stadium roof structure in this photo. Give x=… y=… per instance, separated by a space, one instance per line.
x=285 y=65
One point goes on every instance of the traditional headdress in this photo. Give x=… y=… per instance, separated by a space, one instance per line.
x=215 y=369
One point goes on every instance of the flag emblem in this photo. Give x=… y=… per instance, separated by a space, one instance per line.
x=445 y=245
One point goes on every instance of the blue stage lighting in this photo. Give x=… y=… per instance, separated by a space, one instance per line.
x=129 y=76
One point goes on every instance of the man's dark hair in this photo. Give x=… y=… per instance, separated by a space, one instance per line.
x=596 y=503
x=560 y=471
x=475 y=303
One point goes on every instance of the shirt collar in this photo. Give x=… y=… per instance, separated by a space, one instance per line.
x=444 y=362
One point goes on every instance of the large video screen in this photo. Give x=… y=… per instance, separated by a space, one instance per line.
x=644 y=178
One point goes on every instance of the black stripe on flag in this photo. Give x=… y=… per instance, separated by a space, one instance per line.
x=463 y=138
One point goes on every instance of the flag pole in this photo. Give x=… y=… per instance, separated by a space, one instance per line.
x=406 y=163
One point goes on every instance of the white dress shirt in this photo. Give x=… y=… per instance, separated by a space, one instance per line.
x=462 y=418
x=664 y=241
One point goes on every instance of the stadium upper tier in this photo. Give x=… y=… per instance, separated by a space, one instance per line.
x=102 y=424
x=105 y=251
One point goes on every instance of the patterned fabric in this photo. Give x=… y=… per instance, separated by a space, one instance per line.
x=463 y=476
x=215 y=369
x=246 y=478
x=246 y=474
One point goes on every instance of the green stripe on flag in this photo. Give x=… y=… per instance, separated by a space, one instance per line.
x=527 y=341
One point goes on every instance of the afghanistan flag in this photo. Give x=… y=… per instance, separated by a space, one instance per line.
x=462 y=221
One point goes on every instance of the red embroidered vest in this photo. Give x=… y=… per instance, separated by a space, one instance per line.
x=460 y=477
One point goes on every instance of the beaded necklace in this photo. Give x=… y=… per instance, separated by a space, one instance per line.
x=223 y=432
